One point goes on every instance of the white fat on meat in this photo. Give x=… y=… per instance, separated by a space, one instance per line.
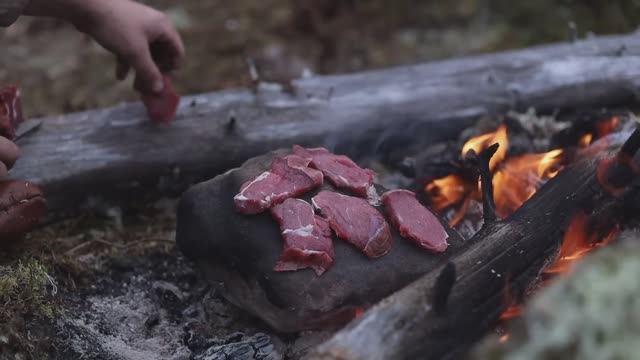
x=241 y=196
x=302 y=231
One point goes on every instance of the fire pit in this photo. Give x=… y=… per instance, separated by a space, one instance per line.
x=516 y=238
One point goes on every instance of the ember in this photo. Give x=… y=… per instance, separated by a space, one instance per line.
x=577 y=243
x=606 y=127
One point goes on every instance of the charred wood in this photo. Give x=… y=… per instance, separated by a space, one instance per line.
x=409 y=324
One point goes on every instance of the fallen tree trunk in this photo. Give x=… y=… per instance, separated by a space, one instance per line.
x=76 y=155
x=440 y=315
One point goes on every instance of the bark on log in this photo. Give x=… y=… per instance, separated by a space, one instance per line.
x=91 y=152
x=440 y=315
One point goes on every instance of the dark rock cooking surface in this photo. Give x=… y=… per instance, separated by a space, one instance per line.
x=238 y=252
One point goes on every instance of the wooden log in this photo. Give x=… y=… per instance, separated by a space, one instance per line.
x=440 y=315
x=86 y=153
x=589 y=303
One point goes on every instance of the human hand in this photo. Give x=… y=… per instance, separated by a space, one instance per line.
x=8 y=155
x=141 y=37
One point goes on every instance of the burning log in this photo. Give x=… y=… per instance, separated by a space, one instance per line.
x=94 y=152
x=442 y=313
x=592 y=303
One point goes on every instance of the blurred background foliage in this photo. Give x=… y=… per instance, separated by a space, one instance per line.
x=60 y=70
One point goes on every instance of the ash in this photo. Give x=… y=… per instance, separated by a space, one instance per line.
x=157 y=308
x=125 y=292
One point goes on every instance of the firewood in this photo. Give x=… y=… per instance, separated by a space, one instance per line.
x=593 y=302
x=411 y=324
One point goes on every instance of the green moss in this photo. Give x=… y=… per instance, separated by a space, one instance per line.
x=23 y=290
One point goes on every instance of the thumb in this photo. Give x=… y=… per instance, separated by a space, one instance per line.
x=148 y=76
x=8 y=153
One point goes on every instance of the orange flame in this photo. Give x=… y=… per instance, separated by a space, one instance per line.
x=585 y=140
x=577 y=243
x=483 y=141
x=520 y=177
x=515 y=179
x=447 y=191
x=452 y=189
x=514 y=309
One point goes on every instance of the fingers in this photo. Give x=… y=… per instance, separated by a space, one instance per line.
x=166 y=44
x=148 y=75
x=172 y=45
x=8 y=153
x=3 y=171
x=165 y=55
x=122 y=69
x=155 y=49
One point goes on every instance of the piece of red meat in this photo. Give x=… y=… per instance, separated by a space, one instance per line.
x=355 y=221
x=341 y=171
x=10 y=111
x=162 y=107
x=414 y=221
x=287 y=177
x=307 y=237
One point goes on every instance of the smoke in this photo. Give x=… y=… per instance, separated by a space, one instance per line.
x=389 y=141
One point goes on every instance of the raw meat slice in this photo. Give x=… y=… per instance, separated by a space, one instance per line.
x=355 y=221
x=414 y=221
x=341 y=171
x=10 y=111
x=162 y=107
x=307 y=237
x=287 y=177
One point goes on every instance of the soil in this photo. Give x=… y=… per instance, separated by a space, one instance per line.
x=119 y=289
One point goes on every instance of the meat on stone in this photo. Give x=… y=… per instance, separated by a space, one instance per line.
x=355 y=221
x=237 y=254
x=341 y=171
x=287 y=177
x=414 y=221
x=307 y=237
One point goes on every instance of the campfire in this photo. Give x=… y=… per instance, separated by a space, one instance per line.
x=534 y=207
x=515 y=180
